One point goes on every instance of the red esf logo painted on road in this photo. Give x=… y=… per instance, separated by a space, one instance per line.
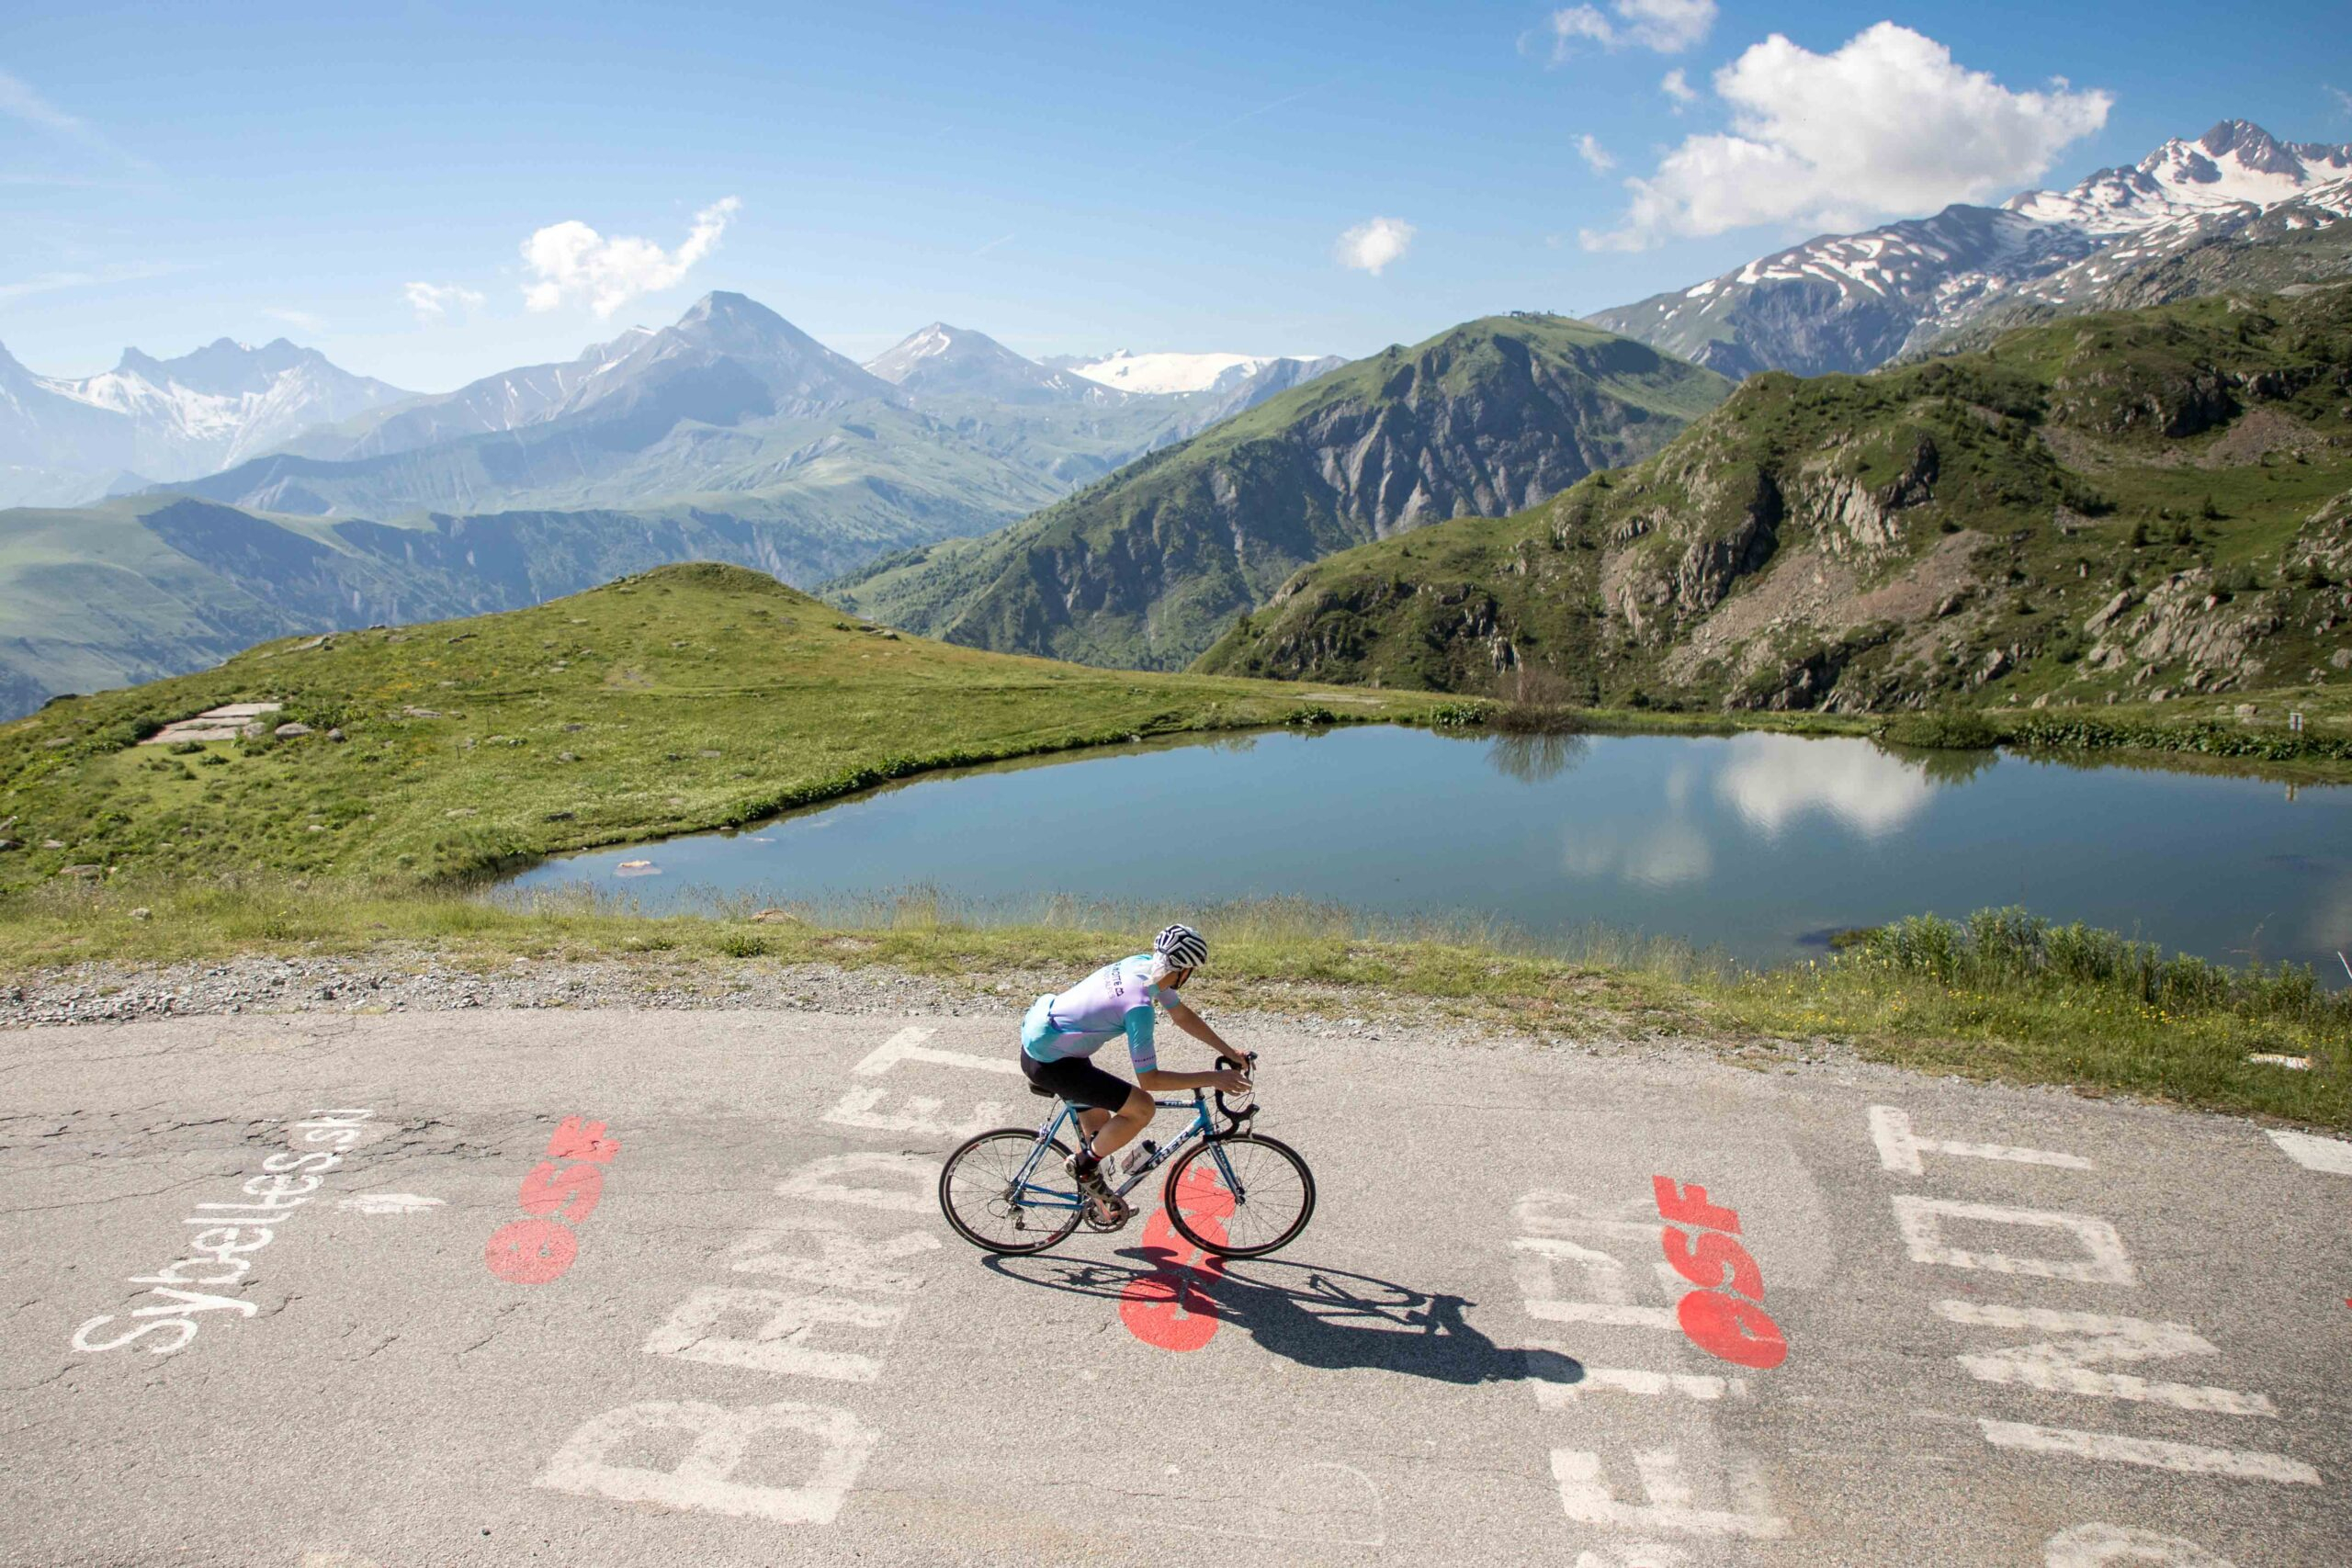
x=1726 y=1315
x=1166 y=1308
x=536 y=1251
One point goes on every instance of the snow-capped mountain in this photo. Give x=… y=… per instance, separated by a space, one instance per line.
x=945 y=361
x=55 y=449
x=2235 y=163
x=1172 y=372
x=64 y=440
x=1847 y=302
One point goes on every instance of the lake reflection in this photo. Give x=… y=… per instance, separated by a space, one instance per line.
x=1749 y=842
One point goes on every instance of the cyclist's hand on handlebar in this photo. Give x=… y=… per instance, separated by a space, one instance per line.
x=1227 y=1081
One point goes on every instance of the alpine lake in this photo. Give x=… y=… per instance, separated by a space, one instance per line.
x=1761 y=846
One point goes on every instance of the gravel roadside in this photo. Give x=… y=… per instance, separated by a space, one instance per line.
x=416 y=980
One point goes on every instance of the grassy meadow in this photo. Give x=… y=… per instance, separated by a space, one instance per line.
x=690 y=697
x=695 y=698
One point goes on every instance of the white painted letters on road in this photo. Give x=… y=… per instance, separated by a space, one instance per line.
x=1899 y=1147
x=2102 y=1261
x=2331 y=1155
x=861 y=1107
x=1607 y=1284
x=1705 y=1387
x=1586 y=1497
x=721 y=1439
x=908 y=1180
x=2064 y=1365
x=2113 y=1448
x=227 y=1235
x=907 y=1045
x=823 y=1253
x=780 y=1328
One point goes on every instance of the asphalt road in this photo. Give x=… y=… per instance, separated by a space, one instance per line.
x=312 y=1292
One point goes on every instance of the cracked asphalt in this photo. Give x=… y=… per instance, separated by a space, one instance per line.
x=603 y=1286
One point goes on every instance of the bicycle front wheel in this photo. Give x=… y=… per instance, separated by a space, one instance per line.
x=1241 y=1196
x=981 y=1193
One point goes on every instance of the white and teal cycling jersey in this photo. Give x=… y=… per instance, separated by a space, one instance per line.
x=1116 y=999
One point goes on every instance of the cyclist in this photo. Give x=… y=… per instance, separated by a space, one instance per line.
x=1062 y=1032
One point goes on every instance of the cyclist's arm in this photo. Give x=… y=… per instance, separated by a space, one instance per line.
x=1152 y=1077
x=1196 y=1026
x=1154 y=1082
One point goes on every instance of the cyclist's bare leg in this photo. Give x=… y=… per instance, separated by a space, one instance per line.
x=1108 y=1133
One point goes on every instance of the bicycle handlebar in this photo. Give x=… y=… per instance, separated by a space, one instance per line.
x=1233 y=1117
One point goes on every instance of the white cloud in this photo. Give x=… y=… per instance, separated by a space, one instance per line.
x=307 y=320
x=1677 y=87
x=573 y=261
x=436 y=301
x=1368 y=247
x=19 y=101
x=1669 y=27
x=50 y=282
x=1772 y=780
x=1888 y=124
x=1596 y=157
x=2343 y=99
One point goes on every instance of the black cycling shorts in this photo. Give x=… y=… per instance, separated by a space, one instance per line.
x=1078 y=1081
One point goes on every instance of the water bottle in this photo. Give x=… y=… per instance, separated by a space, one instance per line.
x=1137 y=1158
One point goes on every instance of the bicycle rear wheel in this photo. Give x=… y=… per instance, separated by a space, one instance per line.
x=1241 y=1196
x=976 y=1192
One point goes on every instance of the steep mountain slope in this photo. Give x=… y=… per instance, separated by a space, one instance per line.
x=64 y=440
x=1145 y=568
x=143 y=587
x=2291 y=246
x=1848 y=303
x=2157 y=502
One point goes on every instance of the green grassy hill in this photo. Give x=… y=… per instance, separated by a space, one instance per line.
x=2138 y=504
x=690 y=697
x=1145 y=569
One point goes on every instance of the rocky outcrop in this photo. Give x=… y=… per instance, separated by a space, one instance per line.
x=1927 y=533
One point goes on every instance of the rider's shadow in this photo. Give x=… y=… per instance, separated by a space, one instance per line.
x=1325 y=1318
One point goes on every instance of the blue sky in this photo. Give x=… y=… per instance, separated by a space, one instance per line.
x=1066 y=177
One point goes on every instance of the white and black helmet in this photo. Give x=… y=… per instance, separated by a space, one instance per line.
x=1183 y=947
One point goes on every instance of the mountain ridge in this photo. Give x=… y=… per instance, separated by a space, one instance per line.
x=1144 y=568
x=65 y=439
x=1847 y=302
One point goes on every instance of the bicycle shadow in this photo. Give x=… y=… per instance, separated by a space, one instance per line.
x=1328 y=1319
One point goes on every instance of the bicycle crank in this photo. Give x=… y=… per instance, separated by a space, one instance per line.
x=1106 y=1213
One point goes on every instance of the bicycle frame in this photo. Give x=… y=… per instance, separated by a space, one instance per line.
x=1030 y=1195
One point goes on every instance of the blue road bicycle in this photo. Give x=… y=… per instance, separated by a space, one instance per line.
x=1231 y=1191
